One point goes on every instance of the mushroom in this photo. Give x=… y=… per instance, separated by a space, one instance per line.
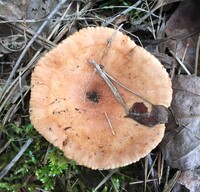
x=73 y=107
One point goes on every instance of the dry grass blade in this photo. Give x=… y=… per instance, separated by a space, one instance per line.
x=114 y=185
x=137 y=182
x=152 y=172
x=109 y=123
x=109 y=83
x=145 y=173
x=172 y=182
x=160 y=168
x=197 y=56
x=105 y=179
x=181 y=63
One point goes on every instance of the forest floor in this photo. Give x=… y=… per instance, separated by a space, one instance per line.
x=168 y=29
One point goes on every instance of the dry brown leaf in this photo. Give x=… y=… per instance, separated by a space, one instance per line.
x=38 y=10
x=184 y=26
x=191 y=180
x=34 y=10
x=166 y=60
x=13 y=10
x=181 y=146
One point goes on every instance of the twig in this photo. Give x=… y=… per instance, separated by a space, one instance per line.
x=181 y=63
x=138 y=182
x=145 y=173
x=123 y=86
x=151 y=164
x=110 y=84
x=167 y=176
x=59 y=5
x=15 y=159
x=109 y=123
x=22 y=21
x=197 y=56
x=47 y=154
x=109 y=42
x=184 y=54
x=160 y=168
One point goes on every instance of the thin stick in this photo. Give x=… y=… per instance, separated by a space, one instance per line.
x=160 y=167
x=30 y=43
x=145 y=173
x=184 y=54
x=109 y=42
x=138 y=182
x=167 y=177
x=197 y=56
x=109 y=83
x=109 y=123
x=123 y=86
x=151 y=164
x=180 y=62
x=15 y=159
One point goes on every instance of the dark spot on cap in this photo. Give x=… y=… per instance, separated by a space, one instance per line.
x=65 y=142
x=93 y=96
x=67 y=128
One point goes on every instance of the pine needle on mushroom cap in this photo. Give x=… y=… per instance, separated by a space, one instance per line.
x=73 y=107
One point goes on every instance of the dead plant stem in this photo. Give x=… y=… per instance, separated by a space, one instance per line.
x=114 y=90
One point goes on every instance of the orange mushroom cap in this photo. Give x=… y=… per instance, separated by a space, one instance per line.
x=73 y=107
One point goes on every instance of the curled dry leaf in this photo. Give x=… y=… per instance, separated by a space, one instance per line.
x=191 y=180
x=181 y=146
x=157 y=115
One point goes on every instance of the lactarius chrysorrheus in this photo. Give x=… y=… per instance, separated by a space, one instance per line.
x=76 y=109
